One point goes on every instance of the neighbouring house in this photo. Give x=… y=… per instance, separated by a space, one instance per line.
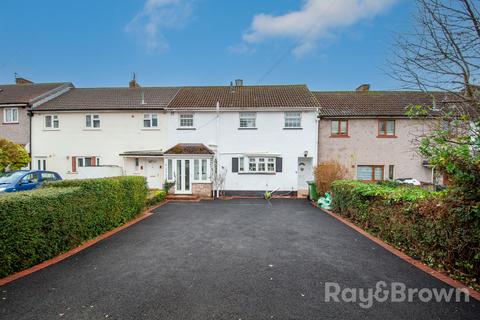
x=370 y=133
x=15 y=102
x=103 y=128
x=237 y=139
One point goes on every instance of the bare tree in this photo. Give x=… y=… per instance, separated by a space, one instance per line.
x=443 y=51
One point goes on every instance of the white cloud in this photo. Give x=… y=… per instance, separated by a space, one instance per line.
x=316 y=19
x=156 y=16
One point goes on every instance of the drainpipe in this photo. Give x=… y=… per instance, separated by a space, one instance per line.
x=30 y=116
x=317 y=139
x=217 y=191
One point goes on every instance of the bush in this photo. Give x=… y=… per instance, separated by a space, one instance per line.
x=38 y=225
x=155 y=197
x=326 y=173
x=443 y=232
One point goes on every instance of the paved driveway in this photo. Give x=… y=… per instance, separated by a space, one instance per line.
x=240 y=259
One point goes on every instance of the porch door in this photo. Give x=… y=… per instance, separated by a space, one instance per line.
x=183 y=183
x=304 y=172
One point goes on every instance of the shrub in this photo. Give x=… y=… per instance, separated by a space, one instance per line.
x=327 y=172
x=155 y=197
x=442 y=231
x=40 y=224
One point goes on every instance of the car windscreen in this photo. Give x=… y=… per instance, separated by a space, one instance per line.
x=10 y=177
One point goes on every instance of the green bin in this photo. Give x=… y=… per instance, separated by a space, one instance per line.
x=312 y=191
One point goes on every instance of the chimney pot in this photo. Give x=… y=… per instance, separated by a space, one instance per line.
x=20 y=80
x=133 y=83
x=363 y=88
x=238 y=82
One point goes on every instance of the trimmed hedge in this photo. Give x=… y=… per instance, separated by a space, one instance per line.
x=442 y=232
x=38 y=225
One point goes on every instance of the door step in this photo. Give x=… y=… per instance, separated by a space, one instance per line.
x=182 y=197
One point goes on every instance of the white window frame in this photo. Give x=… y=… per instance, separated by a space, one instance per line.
x=261 y=164
x=291 y=119
x=93 y=118
x=186 y=117
x=203 y=173
x=245 y=118
x=150 y=117
x=13 y=119
x=53 y=119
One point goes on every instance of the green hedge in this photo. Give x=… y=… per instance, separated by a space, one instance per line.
x=440 y=231
x=38 y=225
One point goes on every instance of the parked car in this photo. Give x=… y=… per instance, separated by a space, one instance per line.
x=410 y=181
x=23 y=180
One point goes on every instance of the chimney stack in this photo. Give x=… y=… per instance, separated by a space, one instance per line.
x=20 y=80
x=238 y=82
x=133 y=83
x=363 y=88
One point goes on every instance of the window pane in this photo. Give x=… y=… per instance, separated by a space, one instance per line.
x=48 y=121
x=364 y=172
x=252 y=165
x=383 y=129
x=179 y=175
x=88 y=121
x=88 y=162
x=378 y=173
x=146 y=123
x=240 y=164
x=335 y=127
x=96 y=122
x=261 y=165
x=55 y=122
x=196 y=170
x=391 y=127
x=390 y=171
x=204 y=169
x=80 y=162
x=154 y=120
x=170 y=169
x=343 y=127
x=187 y=174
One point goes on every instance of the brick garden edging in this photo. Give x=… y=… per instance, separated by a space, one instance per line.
x=147 y=213
x=418 y=264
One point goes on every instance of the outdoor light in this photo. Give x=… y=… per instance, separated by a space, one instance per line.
x=305 y=153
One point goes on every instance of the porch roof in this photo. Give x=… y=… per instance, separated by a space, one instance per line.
x=189 y=148
x=143 y=153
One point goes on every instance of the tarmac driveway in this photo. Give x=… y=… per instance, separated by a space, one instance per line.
x=239 y=259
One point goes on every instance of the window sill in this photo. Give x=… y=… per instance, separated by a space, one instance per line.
x=292 y=128
x=51 y=129
x=150 y=129
x=340 y=136
x=192 y=128
x=247 y=128
x=258 y=173
x=386 y=136
x=200 y=182
x=10 y=122
x=92 y=129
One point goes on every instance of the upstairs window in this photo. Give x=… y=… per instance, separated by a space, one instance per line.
x=248 y=120
x=150 y=120
x=10 y=115
x=186 y=121
x=339 y=128
x=293 y=120
x=386 y=128
x=92 y=121
x=51 y=122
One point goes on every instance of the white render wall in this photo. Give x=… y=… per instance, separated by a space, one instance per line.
x=269 y=138
x=120 y=132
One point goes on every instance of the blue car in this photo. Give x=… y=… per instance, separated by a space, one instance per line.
x=23 y=180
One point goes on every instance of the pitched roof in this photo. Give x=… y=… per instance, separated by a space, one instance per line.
x=142 y=98
x=244 y=97
x=142 y=153
x=189 y=148
x=26 y=93
x=374 y=103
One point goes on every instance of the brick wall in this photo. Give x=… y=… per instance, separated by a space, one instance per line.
x=203 y=190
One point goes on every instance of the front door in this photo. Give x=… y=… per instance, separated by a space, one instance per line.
x=183 y=181
x=153 y=173
x=304 y=172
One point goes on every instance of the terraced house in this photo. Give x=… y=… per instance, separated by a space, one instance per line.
x=237 y=139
